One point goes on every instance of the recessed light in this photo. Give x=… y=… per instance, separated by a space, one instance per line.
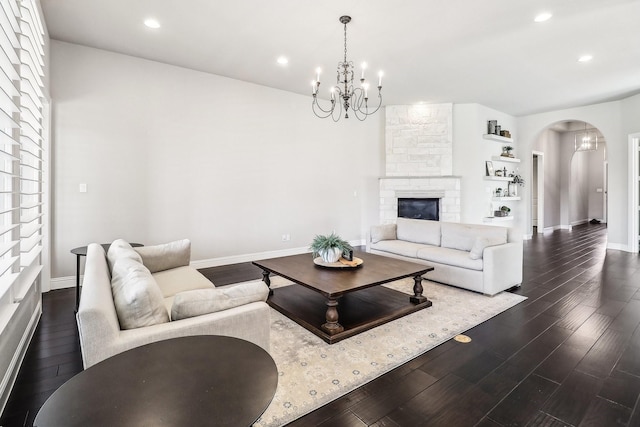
x=545 y=16
x=151 y=23
x=585 y=58
x=283 y=60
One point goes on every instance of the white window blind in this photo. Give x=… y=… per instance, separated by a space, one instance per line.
x=21 y=148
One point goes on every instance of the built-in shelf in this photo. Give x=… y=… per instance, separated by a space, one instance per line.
x=498 y=178
x=505 y=159
x=505 y=199
x=498 y=138
x=497 y=218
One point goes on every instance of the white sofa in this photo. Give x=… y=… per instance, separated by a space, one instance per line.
x=481 y=258
x=135 y=297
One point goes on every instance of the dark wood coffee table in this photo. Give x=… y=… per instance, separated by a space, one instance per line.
x=187 y=381
x=337 y=303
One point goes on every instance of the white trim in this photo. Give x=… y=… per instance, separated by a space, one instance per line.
x=9 y=379
x=619 y=247
x=63 y=282
x=540 y=190
x=70 y=281
x=579 y=222
x=236 y=259
x=634 y=203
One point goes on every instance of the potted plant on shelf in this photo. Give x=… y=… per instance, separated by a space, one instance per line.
x=506 y=151
x=516 y=180
x=330 y=248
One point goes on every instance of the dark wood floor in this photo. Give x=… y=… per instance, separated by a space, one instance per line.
x=569 y=355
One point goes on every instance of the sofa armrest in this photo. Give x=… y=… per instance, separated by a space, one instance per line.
x=251 y=322
x=502 y=267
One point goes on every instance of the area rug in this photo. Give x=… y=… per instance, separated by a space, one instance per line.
x=312 y=373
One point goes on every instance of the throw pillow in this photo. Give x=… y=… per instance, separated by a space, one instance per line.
x=480 y=243
x=203 y=301
x=136 y=295
x=166 y=256
x=121 y=249
x=383 y=232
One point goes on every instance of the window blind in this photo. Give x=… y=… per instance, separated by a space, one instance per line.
x=21 y=149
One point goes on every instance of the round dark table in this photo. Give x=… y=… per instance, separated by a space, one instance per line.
x=82 y=251
x=189 y=381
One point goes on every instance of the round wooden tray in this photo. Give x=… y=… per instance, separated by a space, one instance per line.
x=321 y=263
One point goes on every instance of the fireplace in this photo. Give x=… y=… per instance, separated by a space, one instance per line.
x=424 y=208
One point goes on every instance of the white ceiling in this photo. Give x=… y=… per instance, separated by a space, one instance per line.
x=462 y=51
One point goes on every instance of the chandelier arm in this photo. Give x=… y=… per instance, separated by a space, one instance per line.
x=316 y=106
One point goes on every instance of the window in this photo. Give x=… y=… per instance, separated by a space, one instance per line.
x=21 y=150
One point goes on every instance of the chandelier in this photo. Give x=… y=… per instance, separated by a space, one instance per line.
x=344 y=94
x=586 y=140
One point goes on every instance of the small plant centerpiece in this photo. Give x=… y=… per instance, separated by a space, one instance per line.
x=329 y=248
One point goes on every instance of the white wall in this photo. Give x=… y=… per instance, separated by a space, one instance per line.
x=595 y=176
x=171 y=153
x=578 y=187
x=548 y=143
x=470 y=151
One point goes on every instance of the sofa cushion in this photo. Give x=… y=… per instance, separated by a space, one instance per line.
x=166 y=256
x=136 y=296
x=398 y=247
x=203 y=301
x=480 y=243
x=180 y=279
x=418 y=231
x=121 y=249
x=463 y=236
x=452 y=257
x=383 y=232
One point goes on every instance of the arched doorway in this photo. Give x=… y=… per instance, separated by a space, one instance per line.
x=570 y=176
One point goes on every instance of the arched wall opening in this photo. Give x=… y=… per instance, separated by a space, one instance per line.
x=568 y=182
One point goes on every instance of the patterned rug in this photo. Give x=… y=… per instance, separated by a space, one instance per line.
x=312 y=373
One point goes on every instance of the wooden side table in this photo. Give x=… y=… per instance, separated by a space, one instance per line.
x=82 y=251
x=188 y=381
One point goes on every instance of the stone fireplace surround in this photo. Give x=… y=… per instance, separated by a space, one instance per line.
x=418 y=159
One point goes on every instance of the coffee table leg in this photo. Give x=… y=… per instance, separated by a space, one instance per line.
x=332 y=326
x=267 y=280
x=417 y=297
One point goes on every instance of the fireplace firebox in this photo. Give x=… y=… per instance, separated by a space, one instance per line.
x=425 y=208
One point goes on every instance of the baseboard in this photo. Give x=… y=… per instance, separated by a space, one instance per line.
x=554 y=228
x=9 y=379
x=63 y=282
x=70 y=281
x=619 y=247
x=579 y=222
x=237 y=259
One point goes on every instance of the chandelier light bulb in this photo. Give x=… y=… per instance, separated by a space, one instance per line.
x=318 y=70
x=380 y=74
x=364 y=67
x=333 y=94
x=365 y=86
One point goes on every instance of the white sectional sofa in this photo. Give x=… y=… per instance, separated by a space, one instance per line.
x=481 y=258
x=133 y=297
